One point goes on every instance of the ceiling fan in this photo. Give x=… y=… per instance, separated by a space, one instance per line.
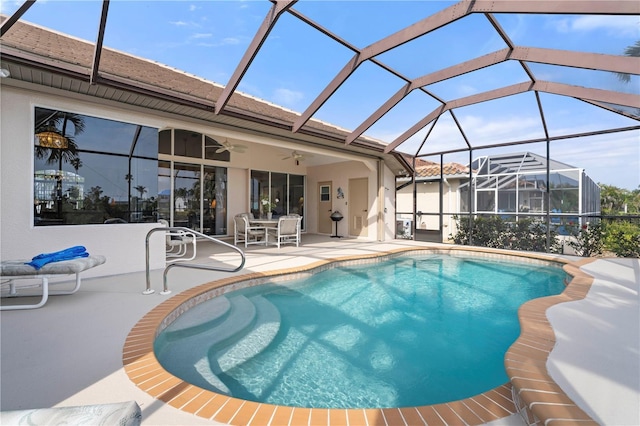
x=227 y=146
x=297 y=156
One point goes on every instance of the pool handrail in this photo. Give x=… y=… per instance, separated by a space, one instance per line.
x=165 y=288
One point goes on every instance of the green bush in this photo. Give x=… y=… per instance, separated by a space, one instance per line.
x=589 y=240
x=492 y=231
x=622 y=238
x=619 y=237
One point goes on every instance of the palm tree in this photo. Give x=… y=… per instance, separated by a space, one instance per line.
x=141 y=189
x=76 y=163
x=633 y=51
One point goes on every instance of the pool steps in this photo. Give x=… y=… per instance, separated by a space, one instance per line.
x=265 y=329
x=201 y=318
x=233 y=330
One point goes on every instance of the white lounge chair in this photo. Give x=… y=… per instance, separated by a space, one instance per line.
x=12 y=270
x=245 y=233
x=287 y=232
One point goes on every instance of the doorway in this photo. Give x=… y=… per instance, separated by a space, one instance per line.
x=325 y=207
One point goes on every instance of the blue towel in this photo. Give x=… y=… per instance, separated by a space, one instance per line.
x=67 y=254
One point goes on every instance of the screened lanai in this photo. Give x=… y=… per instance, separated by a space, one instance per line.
x=441 y=81
x=515 y=185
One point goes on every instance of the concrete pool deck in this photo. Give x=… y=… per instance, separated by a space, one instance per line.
x=70 y=351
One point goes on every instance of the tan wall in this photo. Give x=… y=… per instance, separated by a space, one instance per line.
x=339 y=174
x=427 y=201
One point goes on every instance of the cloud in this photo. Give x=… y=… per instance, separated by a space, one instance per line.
x=184 y=24
x=192 y=8
x=9 y=7
x=227 y=41
x=230 y=41
x=286 y=97
x=201 y=35
x=466 y=90
x=482 y=131
x=622 y=26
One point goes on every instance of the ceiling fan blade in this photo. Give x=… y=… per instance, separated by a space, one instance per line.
x=221 y=149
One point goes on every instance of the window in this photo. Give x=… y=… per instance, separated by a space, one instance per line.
x=190 y=144
x=192 y=190
x=324 y=193
x=89 y=170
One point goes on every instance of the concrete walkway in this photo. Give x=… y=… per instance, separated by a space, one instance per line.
x=596 y=359
x=70 y=351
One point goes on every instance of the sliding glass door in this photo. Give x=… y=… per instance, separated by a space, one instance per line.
x=192 y=190
x=280 y=193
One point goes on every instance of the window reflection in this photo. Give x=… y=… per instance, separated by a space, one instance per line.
x=94 y=171
x=214 y=195
x=199 y=199
x=186 y=194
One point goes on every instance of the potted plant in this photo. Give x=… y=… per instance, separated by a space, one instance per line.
x=267 y=205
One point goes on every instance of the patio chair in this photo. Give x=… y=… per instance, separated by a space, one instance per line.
x=177 y=243
x=245 y=233
x=287 y=232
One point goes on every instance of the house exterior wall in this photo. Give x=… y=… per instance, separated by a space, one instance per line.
x=428 y=202
x=124 y=245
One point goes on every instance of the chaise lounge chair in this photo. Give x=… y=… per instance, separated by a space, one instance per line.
x=12 y=270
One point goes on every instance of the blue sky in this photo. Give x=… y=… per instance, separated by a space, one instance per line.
x=208 y=39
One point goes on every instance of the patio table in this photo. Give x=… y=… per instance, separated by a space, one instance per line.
x=266 y=224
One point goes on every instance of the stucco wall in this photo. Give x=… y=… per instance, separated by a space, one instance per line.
x=339 y=174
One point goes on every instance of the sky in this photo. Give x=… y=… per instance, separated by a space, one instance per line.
x=208 y=39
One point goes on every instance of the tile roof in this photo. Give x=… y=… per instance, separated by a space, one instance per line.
x=431 y=169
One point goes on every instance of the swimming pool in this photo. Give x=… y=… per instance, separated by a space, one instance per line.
x=455 y=315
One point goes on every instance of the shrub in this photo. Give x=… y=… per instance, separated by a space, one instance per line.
x=492 y=231
x=531 y=235
x=589 y=240
x=622 y=238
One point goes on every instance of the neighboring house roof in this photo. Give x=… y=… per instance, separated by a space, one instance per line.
x=431 y=169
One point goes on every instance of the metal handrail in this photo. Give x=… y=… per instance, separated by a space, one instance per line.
x=165 y=288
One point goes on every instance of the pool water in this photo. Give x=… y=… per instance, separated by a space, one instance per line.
x=406 y=331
